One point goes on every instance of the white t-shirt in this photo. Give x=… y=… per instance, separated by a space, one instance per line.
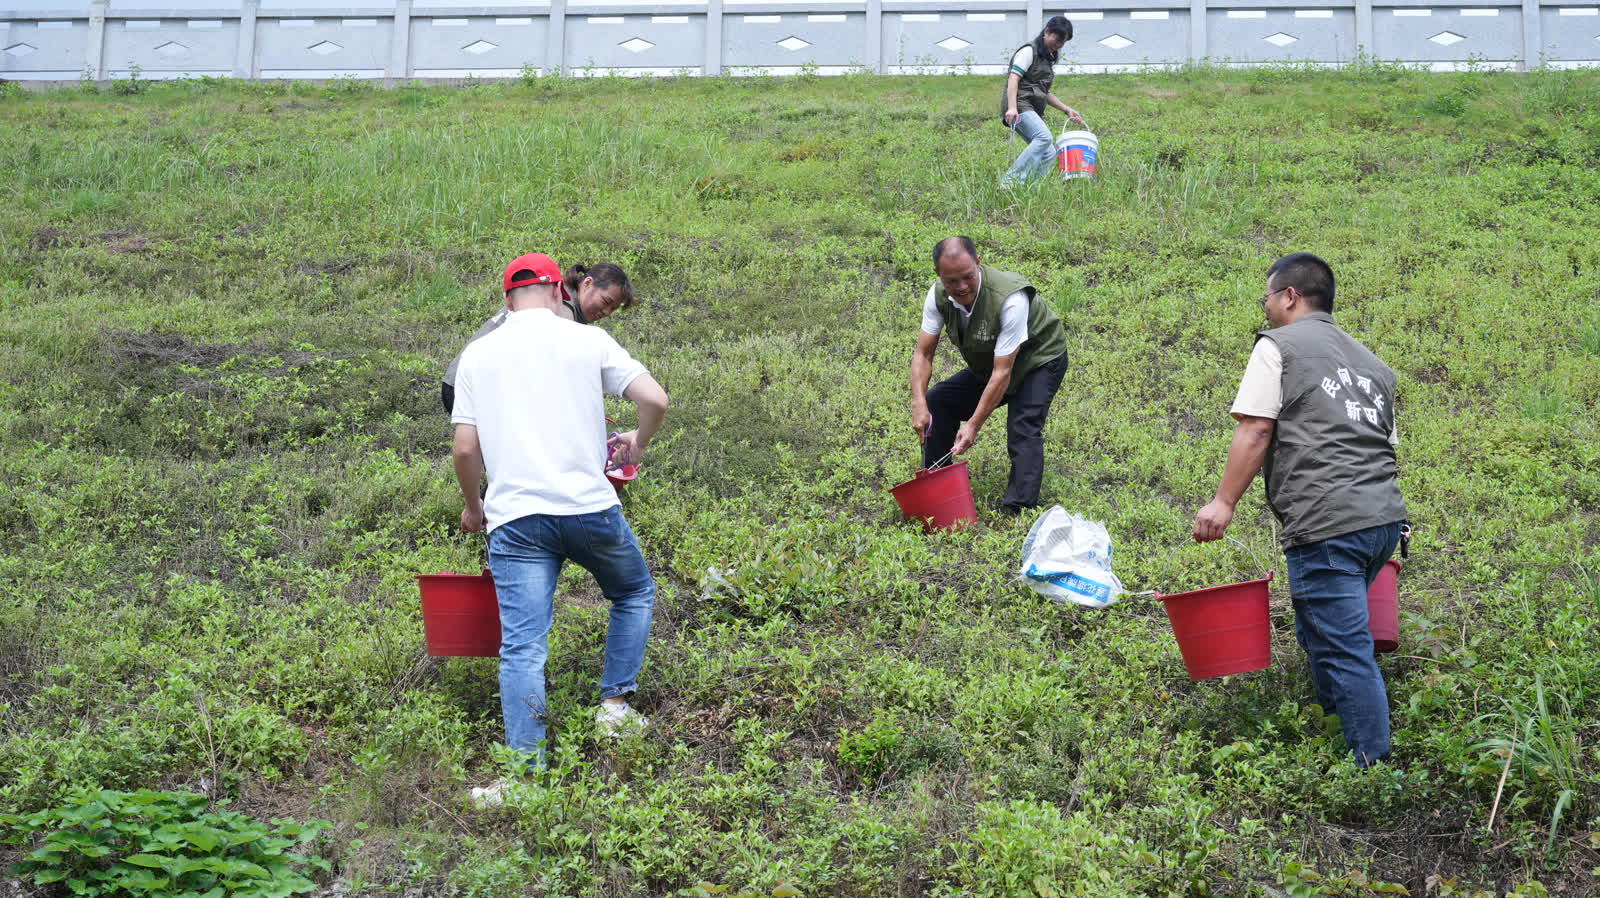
x=1013 y=319
x=533 y=388
x=1261 y=389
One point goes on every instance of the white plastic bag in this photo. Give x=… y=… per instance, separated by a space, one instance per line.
x=1067 y=558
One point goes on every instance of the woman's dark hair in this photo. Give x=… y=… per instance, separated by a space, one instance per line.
x=605 y=275
x=1060 y=25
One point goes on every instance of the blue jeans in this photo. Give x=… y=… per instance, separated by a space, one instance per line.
x=525 y=556
x=1038 y=156
x=1329 y=581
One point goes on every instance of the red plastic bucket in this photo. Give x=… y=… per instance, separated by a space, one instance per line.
x=1383 y=609
x=460 y=614
x=619 y=477
x=1222 y=630
x=942 y=499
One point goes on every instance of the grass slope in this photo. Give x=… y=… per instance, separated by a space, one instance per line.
x=226 y=308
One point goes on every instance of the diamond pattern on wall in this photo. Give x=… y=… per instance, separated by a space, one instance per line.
x=953 y=43
x=20 y=50
x=636 y=45
x=324 y=48
x=1446 y=38
x=1280 y=39
x=477 y=47
x=171 y=50
x=1116 y=42
x=793 y=43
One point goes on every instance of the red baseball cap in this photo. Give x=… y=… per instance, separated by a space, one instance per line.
x=533 y=268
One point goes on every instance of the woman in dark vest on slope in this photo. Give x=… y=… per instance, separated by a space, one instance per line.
x=1027 y=93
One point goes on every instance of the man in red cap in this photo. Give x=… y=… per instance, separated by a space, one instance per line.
x=529 y=410
x=527 y=262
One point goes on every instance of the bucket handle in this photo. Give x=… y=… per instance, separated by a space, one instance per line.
x=940 y=461
x=1161 y=595
x=1156 y=593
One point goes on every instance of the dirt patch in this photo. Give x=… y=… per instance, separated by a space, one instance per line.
x=119 y=240
x=1156 y=94
x=22 y=655
x=51 y=238
x=124 y=242
x=159 y=349
x=165 y=349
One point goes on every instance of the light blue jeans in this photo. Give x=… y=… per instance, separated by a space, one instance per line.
x=1038 y=157
x=525 y=557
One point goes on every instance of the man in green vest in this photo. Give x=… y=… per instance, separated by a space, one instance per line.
x=1016 y=355
x=1316 y=417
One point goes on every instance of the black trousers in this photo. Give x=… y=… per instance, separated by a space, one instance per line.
x=954 y=399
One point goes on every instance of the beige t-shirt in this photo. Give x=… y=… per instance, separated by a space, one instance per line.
x=1261 y=389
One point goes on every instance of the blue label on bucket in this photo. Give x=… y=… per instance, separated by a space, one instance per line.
x=1087 y=151
x=1071 y=582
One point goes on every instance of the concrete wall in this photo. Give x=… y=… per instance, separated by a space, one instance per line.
x=398 y=39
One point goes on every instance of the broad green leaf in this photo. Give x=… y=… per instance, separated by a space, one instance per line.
x=46 y=854
x=148 y=860
x=203 y=840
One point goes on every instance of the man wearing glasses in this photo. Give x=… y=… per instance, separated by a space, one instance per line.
x=1316 y=417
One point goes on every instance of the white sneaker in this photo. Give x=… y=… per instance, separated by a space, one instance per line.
x=497 y=794
x=618 y=720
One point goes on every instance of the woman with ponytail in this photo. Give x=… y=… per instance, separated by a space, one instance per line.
x=1027 y=93
x=594 y=292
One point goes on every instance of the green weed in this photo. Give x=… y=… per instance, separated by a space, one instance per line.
x=162 y=843
x=1546 y=749
x=1589 y=336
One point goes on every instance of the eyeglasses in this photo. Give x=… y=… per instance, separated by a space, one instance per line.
x=1271 y=293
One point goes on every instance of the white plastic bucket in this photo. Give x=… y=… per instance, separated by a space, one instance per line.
x=1077 y=153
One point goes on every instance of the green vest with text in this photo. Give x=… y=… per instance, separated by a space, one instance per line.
x=1046 y=342
x=1331 y=469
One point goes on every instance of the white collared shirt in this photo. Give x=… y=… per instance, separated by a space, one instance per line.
x=1013 y=319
